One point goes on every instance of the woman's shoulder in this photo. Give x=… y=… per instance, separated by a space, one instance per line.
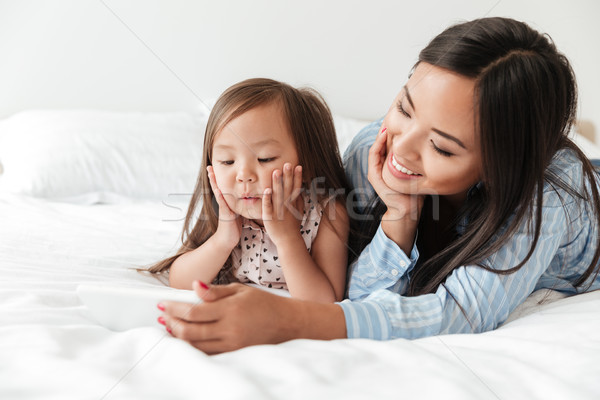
x=564 y=181
x=364 y=138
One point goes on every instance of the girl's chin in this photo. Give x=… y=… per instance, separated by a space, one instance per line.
x=251 y=214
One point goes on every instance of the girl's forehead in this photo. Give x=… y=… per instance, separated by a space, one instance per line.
x=260 y=126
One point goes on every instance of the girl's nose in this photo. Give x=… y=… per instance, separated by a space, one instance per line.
x=245 y=174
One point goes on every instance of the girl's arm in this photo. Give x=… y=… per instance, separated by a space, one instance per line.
x=204 y=262
x=322 y=276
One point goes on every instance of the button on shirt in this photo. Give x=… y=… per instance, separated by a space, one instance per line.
x=379 y=278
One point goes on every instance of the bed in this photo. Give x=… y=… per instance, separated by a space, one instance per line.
x=87 y=196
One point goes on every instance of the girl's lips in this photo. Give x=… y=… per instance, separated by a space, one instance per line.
x=396 y=173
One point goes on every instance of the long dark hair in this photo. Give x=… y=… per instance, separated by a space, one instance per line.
x=526 y=97
x=313 y=131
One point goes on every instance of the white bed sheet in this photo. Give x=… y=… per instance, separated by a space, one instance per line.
x=51 y=349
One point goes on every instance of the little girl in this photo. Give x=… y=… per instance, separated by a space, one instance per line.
x=264 y=219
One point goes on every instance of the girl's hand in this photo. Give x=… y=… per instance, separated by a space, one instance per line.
x=399 y=205
x=229 y=229
x=282 y=205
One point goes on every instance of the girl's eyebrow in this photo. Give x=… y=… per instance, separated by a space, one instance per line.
x=441 y=133
x=259 y=143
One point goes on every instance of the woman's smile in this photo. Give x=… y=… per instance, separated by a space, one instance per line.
x=399 y=170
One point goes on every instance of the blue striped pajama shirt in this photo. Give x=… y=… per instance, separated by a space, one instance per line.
x=377 y=309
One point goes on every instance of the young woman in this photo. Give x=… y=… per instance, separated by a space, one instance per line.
x=479 y=198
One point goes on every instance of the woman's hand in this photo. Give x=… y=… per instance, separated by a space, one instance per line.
x=235 y=316
x=282 y=205
x=399 y=205
x=401 y=219
x=229 y=229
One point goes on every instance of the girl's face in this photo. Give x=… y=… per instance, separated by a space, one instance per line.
x=432 y=147
x=247 y=151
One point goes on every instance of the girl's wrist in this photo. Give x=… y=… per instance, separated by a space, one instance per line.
x=224 y=241
x=287 y=242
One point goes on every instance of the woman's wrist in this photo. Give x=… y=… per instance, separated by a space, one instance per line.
x=401 y=229
x=312 y=320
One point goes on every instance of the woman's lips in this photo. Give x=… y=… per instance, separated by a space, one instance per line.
x=400 y=171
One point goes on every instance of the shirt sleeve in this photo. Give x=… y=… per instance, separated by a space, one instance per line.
x=356 y=164
x=472 y=299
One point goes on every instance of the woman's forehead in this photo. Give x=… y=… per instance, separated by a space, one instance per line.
x=444 y=99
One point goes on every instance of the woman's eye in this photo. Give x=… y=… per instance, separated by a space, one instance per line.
x=440 y=151
x=266 y=160
x=401 y=109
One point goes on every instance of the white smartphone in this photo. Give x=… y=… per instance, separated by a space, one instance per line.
x=120 y=308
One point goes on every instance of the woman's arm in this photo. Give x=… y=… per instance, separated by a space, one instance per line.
x=235 y=316
x=472 y=299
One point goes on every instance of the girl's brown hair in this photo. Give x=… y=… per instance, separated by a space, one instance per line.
x=313 y=131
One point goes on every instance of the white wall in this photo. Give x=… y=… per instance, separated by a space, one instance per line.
x=170 y=55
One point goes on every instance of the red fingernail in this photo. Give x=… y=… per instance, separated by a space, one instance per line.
x=203 y=285
x=160 y=306
x=161 y=320
x=169 y=330
x=384 y=129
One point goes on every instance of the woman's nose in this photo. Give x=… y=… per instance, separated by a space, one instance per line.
x=407 y=143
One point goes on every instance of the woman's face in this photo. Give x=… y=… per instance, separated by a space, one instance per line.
x=432 y=147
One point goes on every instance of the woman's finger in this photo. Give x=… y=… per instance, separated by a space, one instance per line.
x=191 y=331
x=211 y=293
x=378 y=149
x=197 y=312
x=376 y=156
x=210 y=347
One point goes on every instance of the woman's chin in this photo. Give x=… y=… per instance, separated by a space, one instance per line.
x=402 y=186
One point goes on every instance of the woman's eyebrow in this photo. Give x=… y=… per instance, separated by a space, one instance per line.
x=449 y=137
x=441 y=133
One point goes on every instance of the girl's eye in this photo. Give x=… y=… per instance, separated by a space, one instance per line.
x=440 y=151
x=226 y=162
x=401 y=109
x=266 y=160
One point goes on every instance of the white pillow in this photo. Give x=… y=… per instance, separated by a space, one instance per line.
x=72 y=155
x=100 y=156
